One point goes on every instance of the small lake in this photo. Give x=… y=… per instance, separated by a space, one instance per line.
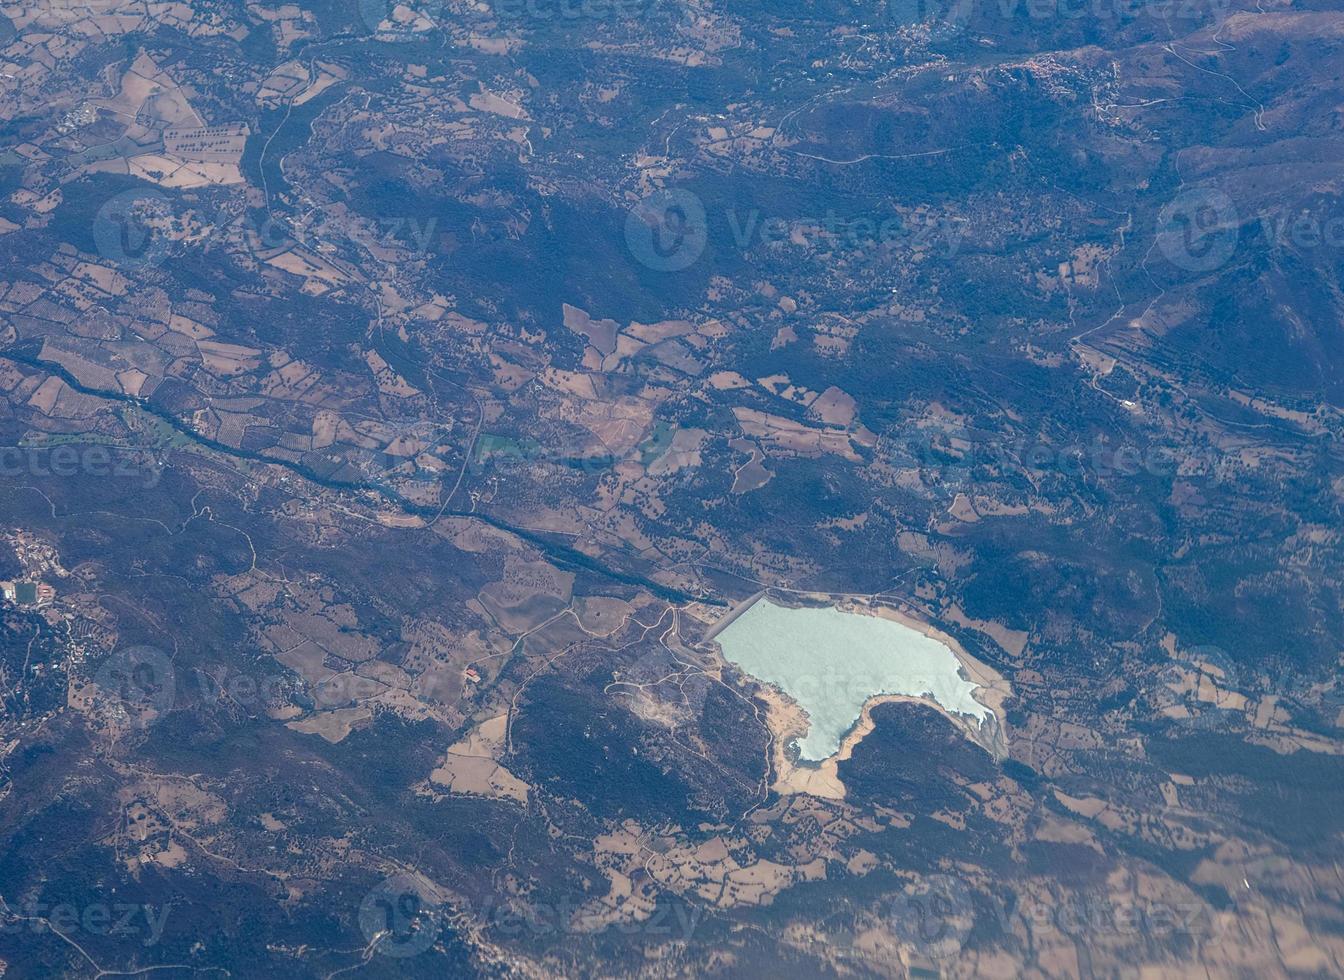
x=831 y=662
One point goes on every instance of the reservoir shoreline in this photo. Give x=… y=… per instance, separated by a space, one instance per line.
x=821 y=675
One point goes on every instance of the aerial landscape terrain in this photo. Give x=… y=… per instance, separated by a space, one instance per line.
x=671 y=488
